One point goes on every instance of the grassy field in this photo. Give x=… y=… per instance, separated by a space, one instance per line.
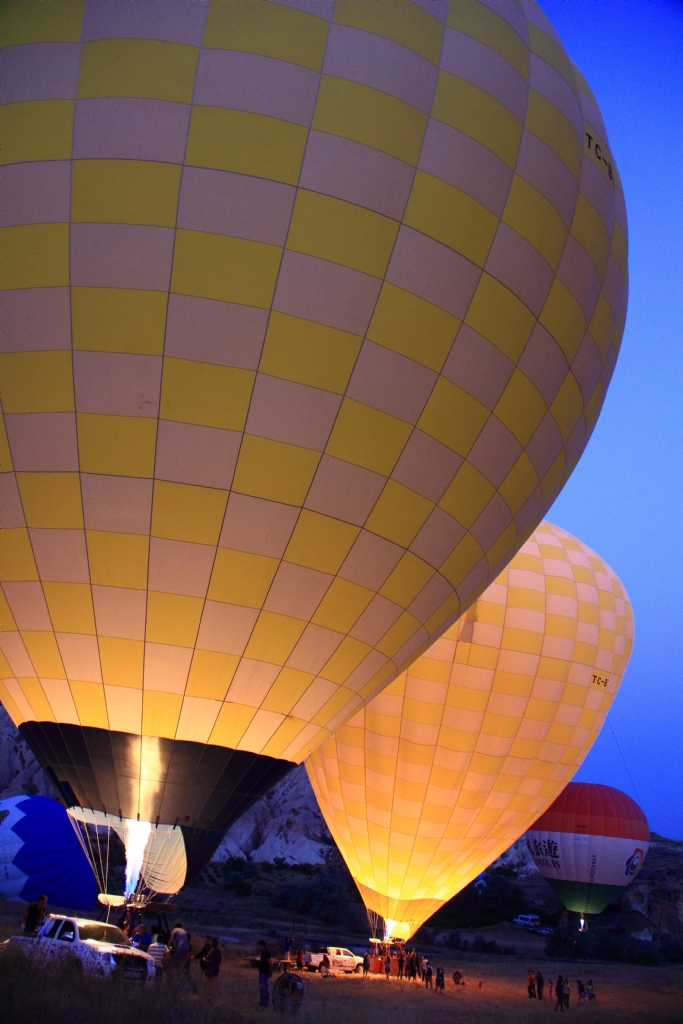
x=626 y=994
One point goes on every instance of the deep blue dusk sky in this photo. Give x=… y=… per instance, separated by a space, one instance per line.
x=625 y=499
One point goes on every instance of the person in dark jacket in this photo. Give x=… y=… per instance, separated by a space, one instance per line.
x=212 y=964
x=540 y=983
x=559 y=994
x=440 y=980
x=34 y=914
x=264 y=972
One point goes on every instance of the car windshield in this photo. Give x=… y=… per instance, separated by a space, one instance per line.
x=103 y=933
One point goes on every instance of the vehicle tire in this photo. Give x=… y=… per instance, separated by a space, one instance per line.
x=320 y=969
x=358 y=969
x=312 y=970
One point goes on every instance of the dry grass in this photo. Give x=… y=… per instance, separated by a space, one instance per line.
x=626 y=994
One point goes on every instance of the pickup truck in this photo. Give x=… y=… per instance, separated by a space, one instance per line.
x=340 y=959
x=90 y=947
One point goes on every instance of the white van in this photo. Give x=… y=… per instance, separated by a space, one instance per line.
x=527 y=920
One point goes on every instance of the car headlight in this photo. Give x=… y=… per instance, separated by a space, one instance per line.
x=105 y=958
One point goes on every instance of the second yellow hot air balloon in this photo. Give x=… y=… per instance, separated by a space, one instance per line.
x=458 y=756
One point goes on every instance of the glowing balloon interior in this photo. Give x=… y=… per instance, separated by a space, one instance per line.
x=308 y=316
x=590 y=844
x=458 y=756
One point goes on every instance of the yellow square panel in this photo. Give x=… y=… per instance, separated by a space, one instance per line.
x=601 y=326
x=268 y=29
x=545 y=121
x=118 y=559
x=567 y=406
x=146 y=68
x=334 y=705
x=399 y=513
x=451 y=216
x=274 y=637
x=90 y=704
x=367 y=437
x=5 y=455
x=341 y=233
x=535 y=218
x=225 y=268
x=184 y=512
x=70 y=606
x=173 y=619
x=44 y=654
x=35 y=695
x=37 y=130
x=521 y=407
x=407 y=24
x=274 y=470
x=231 y=724
x=51 y=500
x=462 y=560
x=619 y=249
x=407 y=580
x=117 y=445
x=160 y=713
x=205 y=393
x=37 y=382
x=453 y=417
x=341 y=605
x=289 y=686
x=35 y=256
x=211 y=674
x=320 y=542
x=554 y=478
x=373 y=118
x=519 y=484
x=563 y=318
x=412 y=326
x=125 y=192
x=483 y=23
x=241 y=578
x=42 y=23
x=500 y=316
x=552 y=53
x=283 y=737
x=475 y=113
x=345 y=659
x=255 y=144
x=122 y=662
x=16 y=563
x=589 y=229
x=309 y=353
x=402 y=630
x=118 y=320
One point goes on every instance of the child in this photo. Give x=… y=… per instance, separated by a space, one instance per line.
x=440 y=980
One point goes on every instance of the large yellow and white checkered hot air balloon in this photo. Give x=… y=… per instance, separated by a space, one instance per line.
x=309 y=311
x=461 y=754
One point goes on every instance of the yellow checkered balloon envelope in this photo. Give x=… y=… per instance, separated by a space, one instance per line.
x=463 y=752
x=309 y=311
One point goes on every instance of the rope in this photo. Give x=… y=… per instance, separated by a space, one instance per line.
x=625 y=765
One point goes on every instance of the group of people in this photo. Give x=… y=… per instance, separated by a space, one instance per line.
x=174 y=951
x=536 y=985
x=410 y=966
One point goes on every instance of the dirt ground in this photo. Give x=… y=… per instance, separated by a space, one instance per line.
x=626 y=994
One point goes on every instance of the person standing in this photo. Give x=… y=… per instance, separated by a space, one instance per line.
x=141 y=938
x=288 y=946
x=540 y=983
x=401 y=964
x=212 y=964
x=428 y=973
x=366 y=964
x=590 y=991
x=440 y=980
x=531 y=984
x=559 y=995
x=300 y=960
x=581 y=992
x=567 y=991
x=34 y=915
x=179 y=945
x=159 y=952
x=264 y=972
x=387 y=967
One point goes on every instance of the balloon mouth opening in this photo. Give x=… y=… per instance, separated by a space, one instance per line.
x=583 y=924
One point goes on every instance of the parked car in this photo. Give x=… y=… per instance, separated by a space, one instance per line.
x=86 y=946
x=340 y=959
x=527 y=921
x=544 y=931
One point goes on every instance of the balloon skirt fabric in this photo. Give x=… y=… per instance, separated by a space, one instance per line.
x=458 y=756
x=40 y=853
x=309 y=312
